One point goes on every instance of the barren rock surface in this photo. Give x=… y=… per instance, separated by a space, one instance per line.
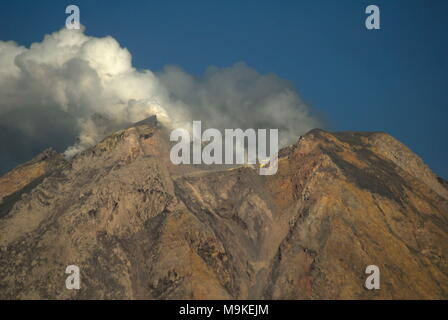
x=139 y=227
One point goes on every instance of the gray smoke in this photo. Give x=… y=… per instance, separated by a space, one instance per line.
x=70 y=90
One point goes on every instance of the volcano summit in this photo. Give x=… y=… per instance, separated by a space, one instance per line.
x=140 y=227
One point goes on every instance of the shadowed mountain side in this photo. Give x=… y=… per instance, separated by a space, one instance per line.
x=139 y=227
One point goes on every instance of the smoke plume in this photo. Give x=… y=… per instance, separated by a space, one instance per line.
x=70 y=90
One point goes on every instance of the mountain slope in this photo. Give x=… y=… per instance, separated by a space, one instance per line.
x=139 y=227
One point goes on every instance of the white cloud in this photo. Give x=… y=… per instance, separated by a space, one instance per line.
x=77 y=76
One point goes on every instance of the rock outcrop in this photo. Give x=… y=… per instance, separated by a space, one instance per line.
x=139 y=227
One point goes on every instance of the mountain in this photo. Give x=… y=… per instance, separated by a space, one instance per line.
x=139 y=227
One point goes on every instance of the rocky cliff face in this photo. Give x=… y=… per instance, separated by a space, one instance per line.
x=139 y=227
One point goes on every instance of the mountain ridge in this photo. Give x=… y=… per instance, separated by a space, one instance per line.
x=140 y=227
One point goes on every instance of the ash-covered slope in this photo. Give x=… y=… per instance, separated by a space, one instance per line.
x=139 y=227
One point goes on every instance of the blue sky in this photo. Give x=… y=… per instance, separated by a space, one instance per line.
x=393 y=80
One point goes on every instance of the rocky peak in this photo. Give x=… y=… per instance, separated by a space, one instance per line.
x=139 y=227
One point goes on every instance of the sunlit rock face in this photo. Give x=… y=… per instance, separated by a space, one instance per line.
x=139 y=227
